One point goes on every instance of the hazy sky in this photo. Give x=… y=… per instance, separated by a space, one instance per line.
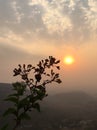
x=34 y=29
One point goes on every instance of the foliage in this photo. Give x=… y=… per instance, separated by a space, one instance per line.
x=23 y=99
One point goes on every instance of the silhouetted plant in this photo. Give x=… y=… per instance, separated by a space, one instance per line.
x=24 y=100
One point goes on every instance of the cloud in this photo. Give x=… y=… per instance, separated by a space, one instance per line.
x=68 y=21
x=55 y=21
x=11 y=55
x=91 y=15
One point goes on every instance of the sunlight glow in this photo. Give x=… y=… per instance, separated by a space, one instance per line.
x=68 y=60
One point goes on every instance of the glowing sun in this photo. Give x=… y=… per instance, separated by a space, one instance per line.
x=68 y=60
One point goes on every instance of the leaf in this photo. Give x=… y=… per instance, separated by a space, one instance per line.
x=37 y=106
x=20 y=87
x=32 y=80
x=23 y=102
x=12 y=99
x=52 y=73
x=48 y=74
x=46 y=60
x=19 y=65
x=57 y=75
x=37 y=70
x=58 y=81
x=58 y=61
x=25 y=76
x=24 y=66
x=38 y=77
x=29 y=66
x=10 y=111
x=16 y=85
x=52 y=60
x=39 y=64
x=24 y=116
x=58 y=67
x=13 y=95
x=16 y=72
x=4 y=127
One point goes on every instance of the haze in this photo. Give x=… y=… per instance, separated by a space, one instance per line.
x=31 y=30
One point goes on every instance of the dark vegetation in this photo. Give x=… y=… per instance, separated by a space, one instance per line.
x=30 y=90
x=65 y=111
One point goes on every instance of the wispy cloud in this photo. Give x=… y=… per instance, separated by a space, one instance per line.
x=66 y=20
x=91 y=16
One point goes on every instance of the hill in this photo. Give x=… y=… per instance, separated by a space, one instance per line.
x=66 y=111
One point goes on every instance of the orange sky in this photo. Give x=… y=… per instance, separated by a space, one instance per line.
x=35 y=30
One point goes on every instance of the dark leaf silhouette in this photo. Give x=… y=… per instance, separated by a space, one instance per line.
x=10 y=111
x=58 y=81
x=4 y=127
x=43 y=74
x=38 y=77
x=58 y=67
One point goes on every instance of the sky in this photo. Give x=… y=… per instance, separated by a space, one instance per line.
x=31 y=30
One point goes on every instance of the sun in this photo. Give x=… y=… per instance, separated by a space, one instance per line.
x=69 y=60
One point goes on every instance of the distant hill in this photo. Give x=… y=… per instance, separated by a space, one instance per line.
x=58 y=111
x=73 y=103
x=5 y=89
x=76 y=97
